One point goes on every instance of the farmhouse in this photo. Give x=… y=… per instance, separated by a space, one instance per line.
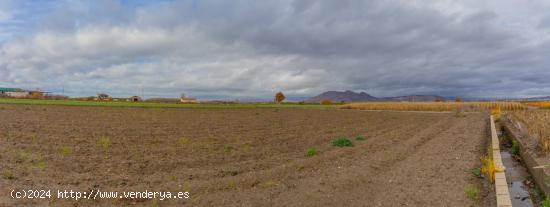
x=135 y=99
x=13 y=92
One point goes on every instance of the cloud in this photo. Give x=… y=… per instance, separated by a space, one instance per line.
x=253 y=49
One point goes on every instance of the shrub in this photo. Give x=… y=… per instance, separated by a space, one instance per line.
x=326 y=102
x=342 y=142
x=472 y=192
x=311 y=152
x=488 y=168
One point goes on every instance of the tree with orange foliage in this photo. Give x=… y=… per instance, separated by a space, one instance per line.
x=279 y=97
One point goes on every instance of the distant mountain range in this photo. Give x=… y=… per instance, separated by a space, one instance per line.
x=350 y=96
x=346 y=96
x=543 y=98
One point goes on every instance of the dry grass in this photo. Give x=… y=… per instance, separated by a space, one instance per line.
x=540 y=104
x=536 y=123
x=435 y=106
x=489 y=168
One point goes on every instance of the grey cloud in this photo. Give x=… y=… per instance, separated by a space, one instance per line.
x=254 y=48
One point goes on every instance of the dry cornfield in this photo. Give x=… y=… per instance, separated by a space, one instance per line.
x=540 y=104
x=435 y=106
x=536 y=123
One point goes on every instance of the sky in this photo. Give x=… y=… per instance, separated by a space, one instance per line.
x=253 y=49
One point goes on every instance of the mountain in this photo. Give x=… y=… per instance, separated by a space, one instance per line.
x=415 y=98
x=346 y=96
x=350 y=96
x=544 y=98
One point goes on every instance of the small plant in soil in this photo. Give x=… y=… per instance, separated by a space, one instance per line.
x=227 y=148
x=184 y=141
x=342 y=142
x=477 y=172
x=311 y=152
x=23 y=157
x=360 y=138
x=155 y=203
x=268 y=184
x=546 y=202
x=472 y=192
x=8 y=176
x=515 y=148
x=105 y=142
x=41 y=164
x=64 y=151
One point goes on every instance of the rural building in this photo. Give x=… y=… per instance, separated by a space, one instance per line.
x=189 y=100
x=103 y=97
x=36 y=94
x=135 y=99
x=14 y=92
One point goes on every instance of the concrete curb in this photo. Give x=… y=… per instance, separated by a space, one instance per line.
x=501 y=185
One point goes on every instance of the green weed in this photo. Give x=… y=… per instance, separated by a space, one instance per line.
x=41 y=164
x=515 y=148
x=184 y=141
x=472 y=192
x=477 y=172
x=342 y=142
x=23 y=157
x=360 y=138
x=227 y=148
x=546 y=202
x=64 y=151
x=311 y=152
x=155 y=203
x=105 y=142
x=8 y=176
x=268 y=184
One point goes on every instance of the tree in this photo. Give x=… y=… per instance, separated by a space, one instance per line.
x=326 y=102
x=279 y=97
x=458 y=99
x=182 y=95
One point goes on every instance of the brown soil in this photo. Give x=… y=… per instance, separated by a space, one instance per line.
x=241 y=157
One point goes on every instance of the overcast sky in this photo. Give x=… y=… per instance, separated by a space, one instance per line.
x=237 y=48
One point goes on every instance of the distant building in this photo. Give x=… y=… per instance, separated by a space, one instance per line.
x=135 y=99
x=103 y=97
x=189 y=100
x=14 y=92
